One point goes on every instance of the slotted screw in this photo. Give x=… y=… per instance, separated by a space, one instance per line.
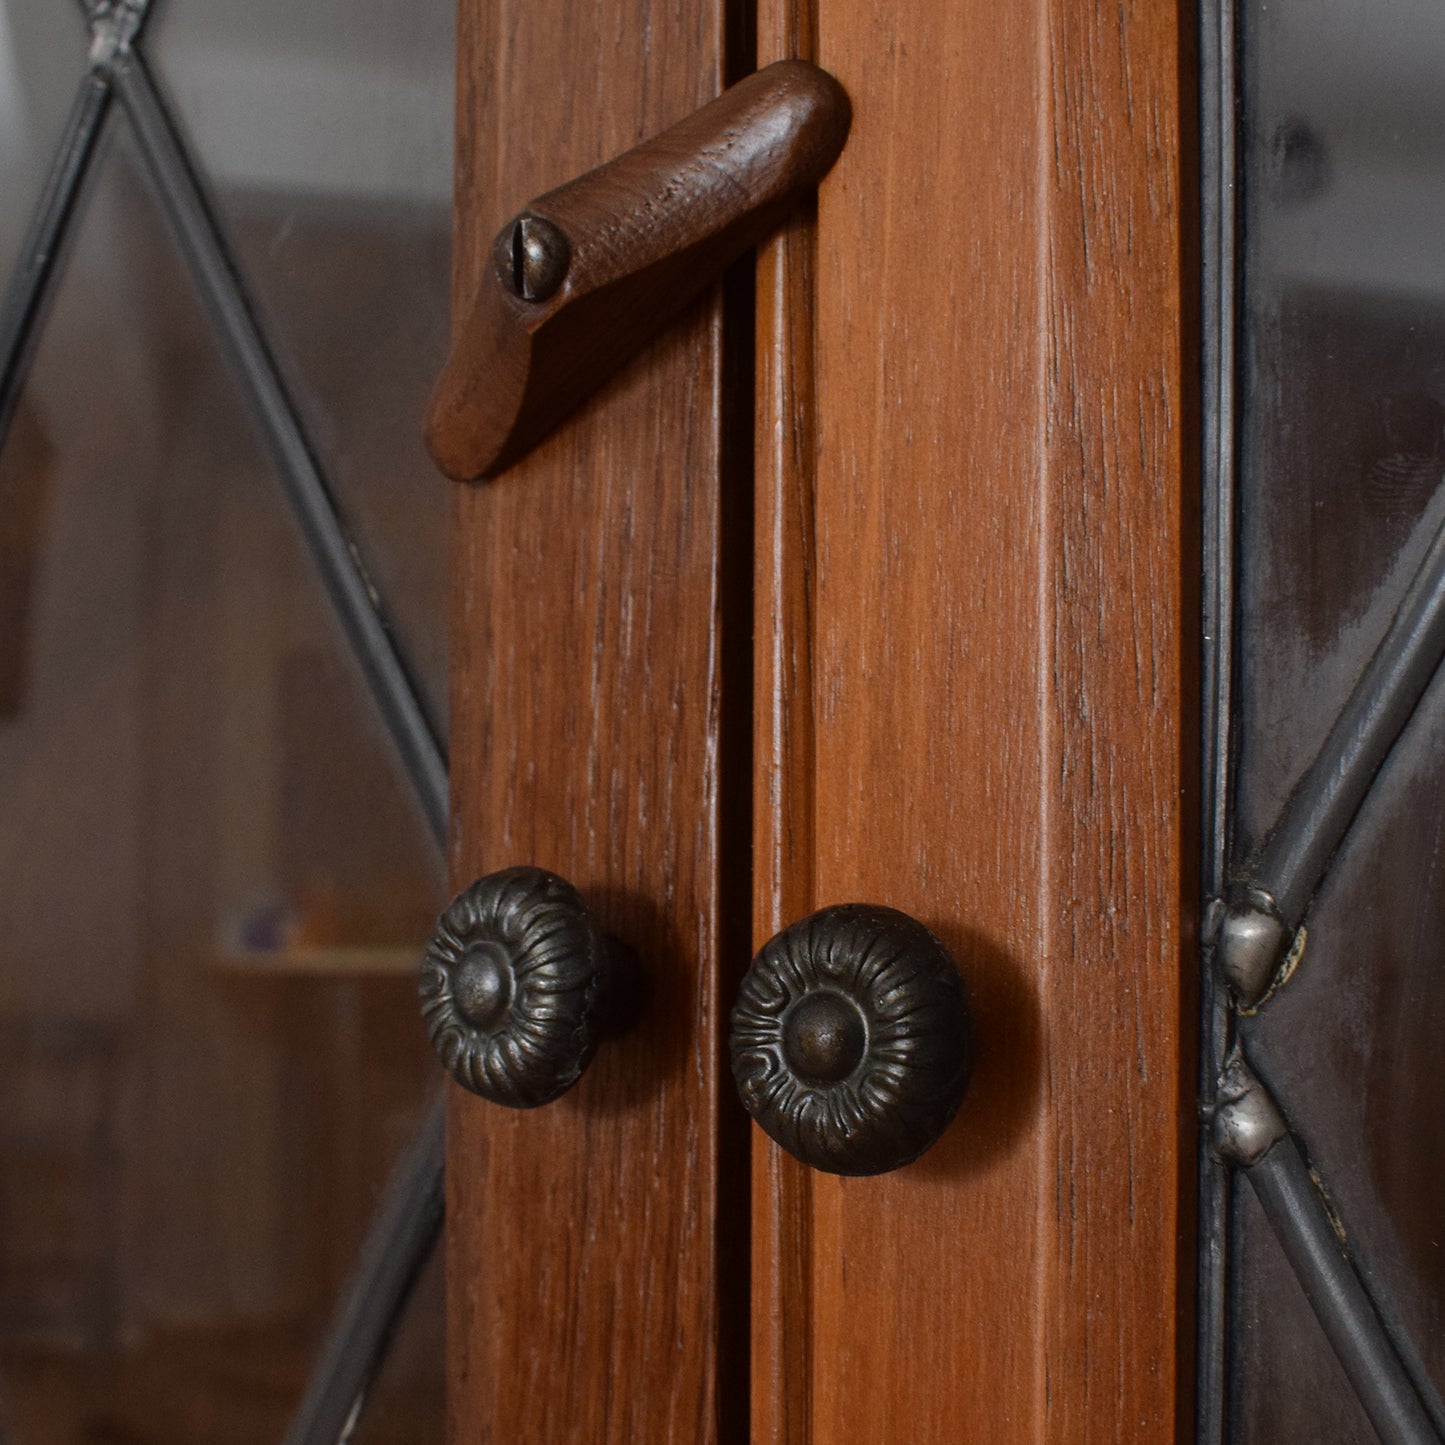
x=532 y=257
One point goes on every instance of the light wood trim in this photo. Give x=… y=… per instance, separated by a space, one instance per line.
x=989 y=578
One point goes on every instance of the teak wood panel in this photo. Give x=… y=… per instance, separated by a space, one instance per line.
x=974 y=703
x=592 y=1292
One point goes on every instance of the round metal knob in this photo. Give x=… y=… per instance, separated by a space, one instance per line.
x=514 y=986
x=851 y=1039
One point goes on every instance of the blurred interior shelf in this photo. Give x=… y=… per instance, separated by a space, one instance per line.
x=321 y=961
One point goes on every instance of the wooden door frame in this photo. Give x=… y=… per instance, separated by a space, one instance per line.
x=597 y=1247
x=1065 y=437
x=998 y=383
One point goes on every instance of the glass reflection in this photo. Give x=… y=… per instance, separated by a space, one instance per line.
x=42 y=58
x=1342 y=464
x=215 y=889
x=325 y=131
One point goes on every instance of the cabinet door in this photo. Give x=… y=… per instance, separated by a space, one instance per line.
x=891 y=546
x=973 y=703
x=597 y=1247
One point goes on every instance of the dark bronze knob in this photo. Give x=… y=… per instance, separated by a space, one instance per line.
x=851 y=1039
x=517 y=984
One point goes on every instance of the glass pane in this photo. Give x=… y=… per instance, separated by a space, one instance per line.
x=1288 y=1386
x=1342 y=460
x=410 y=1387
x=216 y=888
x=1351 y=1044
x=325 y=131
x=42 y=58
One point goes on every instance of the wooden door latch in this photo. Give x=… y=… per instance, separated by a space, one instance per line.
x=585 y=275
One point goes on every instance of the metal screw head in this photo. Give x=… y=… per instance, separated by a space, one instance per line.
x=483 y=985
x=824 y=1037
x=532 y=257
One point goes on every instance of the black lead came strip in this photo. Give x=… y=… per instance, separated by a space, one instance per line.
x=333 y=550
x=1249 y=1132
x=1297 y=1213
x=32 y=283
x=407 y=1222
x=399 y=1241
x=114 y=26
x=1262 y=908
x=1264 y=913
x=1217 y=378
x=404 y=1230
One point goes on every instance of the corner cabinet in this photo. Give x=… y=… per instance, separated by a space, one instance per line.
x=870 y=580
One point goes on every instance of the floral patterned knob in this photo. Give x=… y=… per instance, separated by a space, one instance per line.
x=513 y=987
x=851 y=1039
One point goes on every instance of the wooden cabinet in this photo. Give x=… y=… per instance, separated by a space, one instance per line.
x=870 y=580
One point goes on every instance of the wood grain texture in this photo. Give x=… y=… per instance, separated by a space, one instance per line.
x=591 y=1292
x=979 y=559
